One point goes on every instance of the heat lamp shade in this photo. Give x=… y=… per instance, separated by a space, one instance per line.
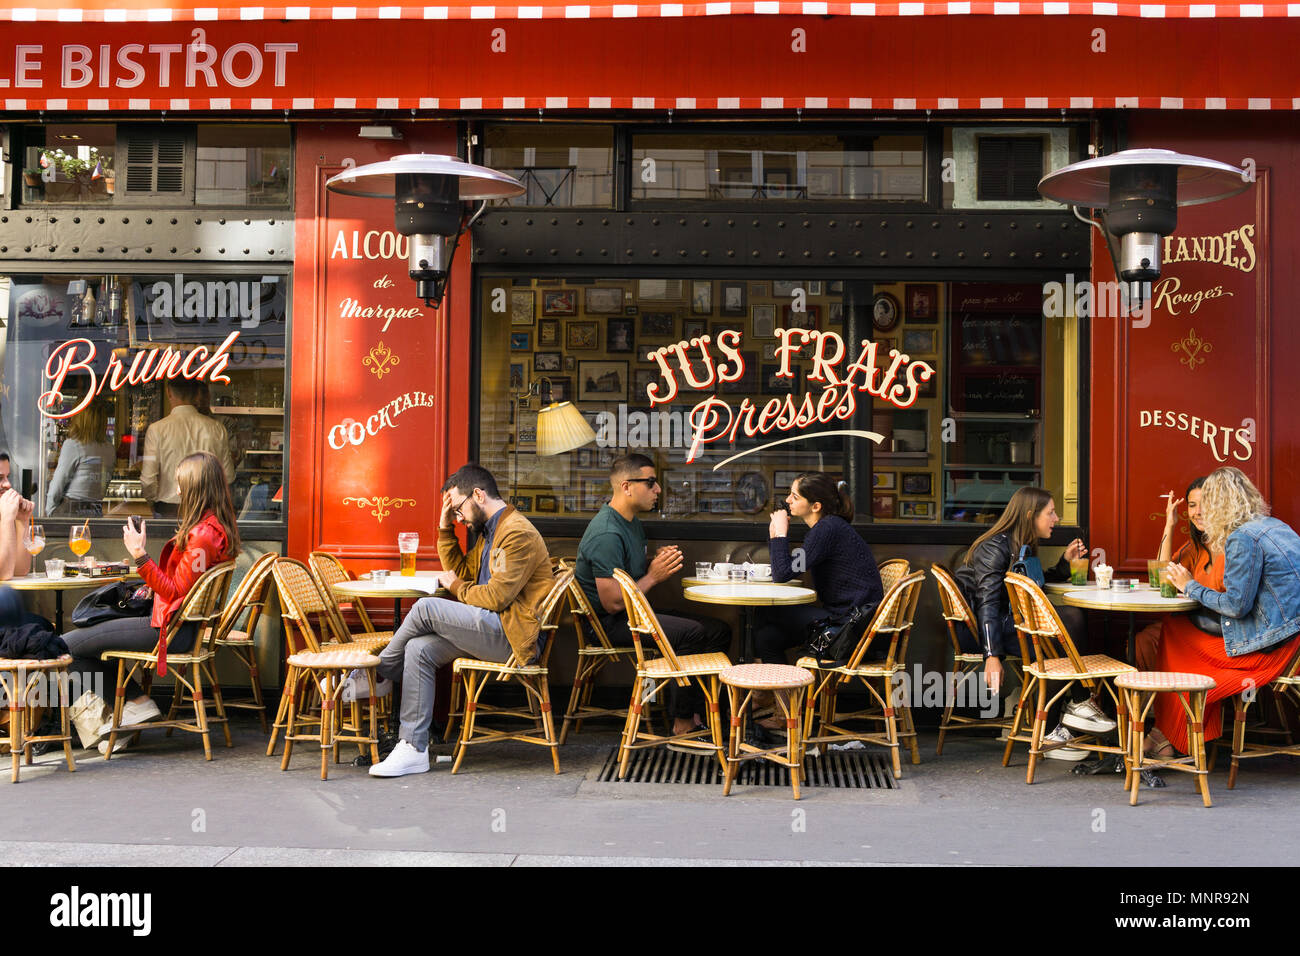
x=379 y=180
x=1087 y=183
x=562 y=428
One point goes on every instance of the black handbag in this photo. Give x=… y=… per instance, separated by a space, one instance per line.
x=835 y=640
x=113 y=601
x=1207 y=620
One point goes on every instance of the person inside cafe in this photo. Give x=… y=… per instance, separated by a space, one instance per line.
x=842 y=567
x=86 y=461
x=1193 y=555
x=1258 y=608
x=15 y=520
x=1028 y=518
x=497 y=587
x=185 y=431
x=206 y=535
x=616 y=538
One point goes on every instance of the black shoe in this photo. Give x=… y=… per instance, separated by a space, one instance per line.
x=387 y=741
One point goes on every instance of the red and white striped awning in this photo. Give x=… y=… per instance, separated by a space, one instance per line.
x=127 y=11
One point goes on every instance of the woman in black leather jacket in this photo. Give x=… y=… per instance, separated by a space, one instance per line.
x=1029 y=517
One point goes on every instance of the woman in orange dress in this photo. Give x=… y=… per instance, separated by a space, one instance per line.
x=1186 y=648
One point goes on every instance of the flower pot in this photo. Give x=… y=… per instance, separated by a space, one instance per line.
x=110 y=184
x=31 y=179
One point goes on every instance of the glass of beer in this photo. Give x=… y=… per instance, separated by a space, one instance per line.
x=408 y=543
x=1079 y=572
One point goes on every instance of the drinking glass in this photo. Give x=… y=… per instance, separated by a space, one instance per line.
x=1167 y=587
x=79 y=540
x=737 y=573
x=1079 y=572
x=54 y=569
x=703 y=569
x=35 y=541
x=408 y=543
x=1153 y=573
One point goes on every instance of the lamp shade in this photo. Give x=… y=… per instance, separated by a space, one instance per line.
x=561 y=428
x=1088 y=183
x=380 y=180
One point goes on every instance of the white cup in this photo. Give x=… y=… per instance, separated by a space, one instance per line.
x=1103 y=574
x=722 y=569
x=760 y=572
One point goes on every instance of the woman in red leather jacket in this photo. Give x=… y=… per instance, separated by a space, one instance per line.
x=206 y=535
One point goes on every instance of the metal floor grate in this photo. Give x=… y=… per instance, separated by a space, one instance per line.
x=836 y=769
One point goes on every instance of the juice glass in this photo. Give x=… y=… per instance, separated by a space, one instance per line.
x=408 y=543
x=1079 y=572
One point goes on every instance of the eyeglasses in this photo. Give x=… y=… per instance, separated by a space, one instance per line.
x=648 y=482
x=456 y=509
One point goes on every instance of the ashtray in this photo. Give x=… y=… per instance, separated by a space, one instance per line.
x=379 y=574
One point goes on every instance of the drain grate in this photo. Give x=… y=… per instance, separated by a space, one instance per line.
x=836 y=769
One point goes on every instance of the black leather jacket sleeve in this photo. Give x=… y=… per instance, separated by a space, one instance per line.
x=990 y=563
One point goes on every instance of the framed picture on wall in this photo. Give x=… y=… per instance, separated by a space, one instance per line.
x=523 y=305
x=642 y=379
x=783 y=480
x=884 y=480
x=764 y=320
x=522 y=502
x=922 y=303
x=547 y=504
x=518 y=377
x=733 y=298
x=748 y=382
x=693 y=328
x=917 y=483
x=582 y=336
x=602 y=300
x=560 y=302
x=774 y=384
x=917 y=509
x=548 y=334
x=560 y=390
x=809 y=319
x=602 y=381
x=521 y=341
x=919 y=341
x=570 y=363
x=658 y=325
x=619 y=335
x=882 y=506
x=702 y=297
x=546 y=361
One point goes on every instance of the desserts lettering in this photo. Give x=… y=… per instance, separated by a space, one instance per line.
x=1222 y=440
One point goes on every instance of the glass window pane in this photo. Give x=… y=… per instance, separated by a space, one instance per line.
x=90 y=461
x=69 y=163
x=559 y=165
x=243 y=165
x=772 y=167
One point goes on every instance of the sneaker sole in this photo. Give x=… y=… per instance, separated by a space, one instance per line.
x=1089 y=726
x=399 y=773
x=1070 y=754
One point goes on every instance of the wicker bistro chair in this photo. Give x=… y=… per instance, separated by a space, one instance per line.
x=301 y=600
x=1052 y=659
x=325 y=672
x=201 y=607
x=20 y=678
x=892 y=571
x=328 y=570
x=1285 y=687
x=251 y=597
x=475 y=675
x=892 y=622
x=965 y=666
x=594 y=652
x=653 y=674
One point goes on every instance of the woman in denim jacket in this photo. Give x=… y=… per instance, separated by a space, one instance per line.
x=1260 y=602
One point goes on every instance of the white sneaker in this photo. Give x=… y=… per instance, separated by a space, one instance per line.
x=123 y=740
x=1061 y=735
x=404 y=759
x=1086 y=716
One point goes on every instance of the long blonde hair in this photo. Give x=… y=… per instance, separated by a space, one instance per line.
x=1017 y=521
x=204 y=488
x=91 y=426
x=1228 y=500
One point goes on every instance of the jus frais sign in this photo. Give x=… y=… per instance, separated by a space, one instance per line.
x=837 y=376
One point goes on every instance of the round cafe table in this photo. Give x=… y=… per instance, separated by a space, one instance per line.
x=748 y=596
x=395 y=587
x=32 y=582
x=1131 y=602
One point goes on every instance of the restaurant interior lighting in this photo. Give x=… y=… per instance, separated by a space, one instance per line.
x=561 y=428
x=434 y=207
x=1138 y=192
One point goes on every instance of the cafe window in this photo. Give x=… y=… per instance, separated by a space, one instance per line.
x=558 y=165
x=230 y=165
x=982 y=397
x=85 y=457
x=767 y=167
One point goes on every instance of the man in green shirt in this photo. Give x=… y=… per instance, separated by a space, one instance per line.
x=615 y=538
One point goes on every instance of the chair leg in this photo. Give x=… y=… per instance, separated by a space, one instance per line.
x=1040 y=718
x=328 y=716
x=217 y=701
x=1239 y=708
x=119 y=695
x=1017 y=719
x=947 y=712
x=473 y=683
x=280 y=713
x=733 y=740
x=548 y=719
x=201 y=711
x=631 y=728
x=64 y=727
x=15 y=730
x=288 y=704
x=457 y=685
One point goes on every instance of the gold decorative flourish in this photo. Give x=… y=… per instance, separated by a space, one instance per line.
x=383 y=506
x=1194 y=349
x=381 y=360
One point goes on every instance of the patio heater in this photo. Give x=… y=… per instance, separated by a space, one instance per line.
x=1138 y=192
x=434 y=197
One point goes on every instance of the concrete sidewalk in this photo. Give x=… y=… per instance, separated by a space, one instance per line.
x=162 y=804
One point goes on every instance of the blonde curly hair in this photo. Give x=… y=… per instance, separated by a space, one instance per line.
x=1228 y=500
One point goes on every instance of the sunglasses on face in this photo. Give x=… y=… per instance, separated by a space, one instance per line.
x=648 y=482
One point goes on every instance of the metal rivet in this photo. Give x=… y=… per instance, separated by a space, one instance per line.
x=501 y=251
x=988 y=255
x=1014 y=224
x=221 y=252
x=908 y=224
x=908 y=254
x=270 y=222
x=1038 y=255
x=780 y=254
x=731 y=222
x=857 y=253
x=883 y=254
x=628 y=221
x=29 y=219
x=1038 y=225
x=961 y=255
x=627 y=252
x=221 y=222
x=52 y=248
x=857 y=223
x=934 y=255
x=604 y=252
x=807 y=254
x=755 y=223
x=173 y=222
x=681 y=253
x=1014 y=255
x=173 y=250
x=78 y=249
x=577 y=252
x=528 y=222
x=831 y=254
x=780 y=224
x=197 y=250
x=577 y=222
x=555 y=252
x=148 y=222
x=807 y=223
x=934 y=224
x=100 y=220
x=704 y=222
x=604 y=222
x=987 y=224
x=654 y=252
x=884 y=224
x=682 y=221
x=528 y=252
x=147 y=249
x=654 y=221
x=29 y=249
x=247 y=222
x=54 y=219
x=126 y=220
x=503 y=222
x=704 y=253
x=961 y=223
x=753 y=254
x=731 y=253
x=831 y=224
x=198 y=222
x=555 y=222
x=98 y=249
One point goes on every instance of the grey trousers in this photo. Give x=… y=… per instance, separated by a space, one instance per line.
x=434 y=633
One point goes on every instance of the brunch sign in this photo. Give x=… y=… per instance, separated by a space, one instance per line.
x=701 y=364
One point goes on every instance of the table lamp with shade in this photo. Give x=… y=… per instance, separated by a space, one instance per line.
x=560 y=428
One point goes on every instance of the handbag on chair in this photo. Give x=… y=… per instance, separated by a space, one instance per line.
x=113 y=601
x=832 y=640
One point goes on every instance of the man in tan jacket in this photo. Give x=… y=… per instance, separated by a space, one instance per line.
x=497 y=586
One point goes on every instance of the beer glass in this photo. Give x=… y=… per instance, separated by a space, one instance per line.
x=408 y=543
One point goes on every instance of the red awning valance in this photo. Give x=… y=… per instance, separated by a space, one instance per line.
x=122 y=11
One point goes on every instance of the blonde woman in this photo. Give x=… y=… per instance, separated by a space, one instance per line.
x=1259 y=606
x=86 y=462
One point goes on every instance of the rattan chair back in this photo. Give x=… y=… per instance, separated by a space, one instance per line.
x=550 y=611
x=1038 y=625
x=893 y=571
x=202 y=606
x=251 y=596
x=642 y=622
x=892 y=622
x=953 y=605
x=300 y=598
x=328 y=571
x=585 y=619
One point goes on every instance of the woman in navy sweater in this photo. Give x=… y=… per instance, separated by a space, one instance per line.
x=842 y=566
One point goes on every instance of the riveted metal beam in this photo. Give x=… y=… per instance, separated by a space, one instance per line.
x=902 y=241
x=143 y=235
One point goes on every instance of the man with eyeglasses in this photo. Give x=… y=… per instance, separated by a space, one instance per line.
x=615 y=538
x=496 y=588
